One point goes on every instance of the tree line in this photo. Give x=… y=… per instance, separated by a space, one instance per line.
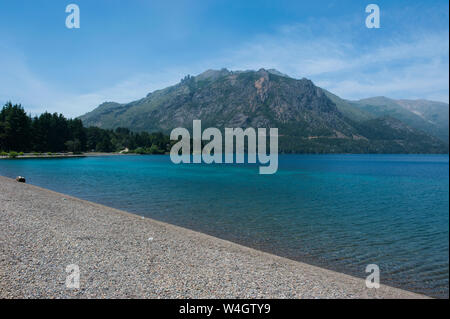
x=52 y=132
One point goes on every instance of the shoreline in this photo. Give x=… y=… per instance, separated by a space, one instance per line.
x=123 y=255
x=63 y=155
x=99 y=154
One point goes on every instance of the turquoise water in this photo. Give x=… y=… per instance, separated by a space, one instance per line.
x=338 y=211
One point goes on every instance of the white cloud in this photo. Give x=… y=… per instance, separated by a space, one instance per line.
x=405 y=67
x=20 y=85
x=408 y=67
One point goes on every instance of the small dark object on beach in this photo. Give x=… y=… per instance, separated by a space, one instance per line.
x=20 y=179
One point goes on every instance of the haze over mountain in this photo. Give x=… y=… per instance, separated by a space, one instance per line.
x=309 y=119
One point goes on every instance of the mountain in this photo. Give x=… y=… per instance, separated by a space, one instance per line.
x=309 y=118
x=428 y=116
x=350 y=109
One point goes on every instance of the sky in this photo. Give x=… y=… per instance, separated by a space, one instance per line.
x=125 y=49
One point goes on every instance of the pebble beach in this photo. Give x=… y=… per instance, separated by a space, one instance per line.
x=122 y=255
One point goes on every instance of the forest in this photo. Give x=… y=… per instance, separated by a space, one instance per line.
x=52 y=132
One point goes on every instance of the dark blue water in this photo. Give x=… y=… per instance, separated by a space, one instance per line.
x=338 y=211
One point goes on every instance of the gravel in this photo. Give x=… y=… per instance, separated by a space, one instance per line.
x=121 y=255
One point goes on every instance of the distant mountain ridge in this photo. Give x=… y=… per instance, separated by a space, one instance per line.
x=309 y=119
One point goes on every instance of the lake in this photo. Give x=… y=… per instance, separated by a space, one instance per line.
x=341 y=212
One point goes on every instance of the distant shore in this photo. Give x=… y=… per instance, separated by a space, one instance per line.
x=96 y=154
x=122 y=255
x=62 y=155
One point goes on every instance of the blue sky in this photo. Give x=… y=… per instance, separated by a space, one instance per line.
x=126 y=49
